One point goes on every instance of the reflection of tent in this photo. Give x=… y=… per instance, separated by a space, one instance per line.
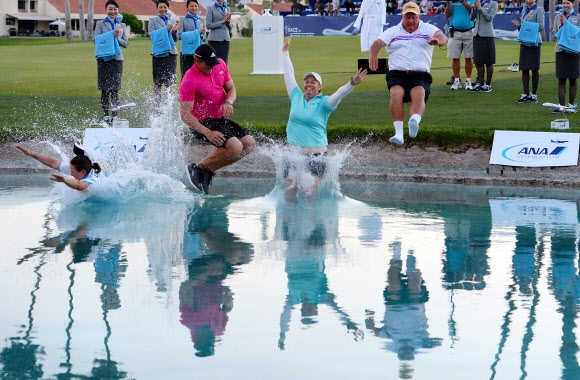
x=57 y=22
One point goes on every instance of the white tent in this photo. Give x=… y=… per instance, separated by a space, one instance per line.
x=57 y=22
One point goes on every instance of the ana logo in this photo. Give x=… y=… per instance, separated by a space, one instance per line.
x=534 y=151
x=267 y=29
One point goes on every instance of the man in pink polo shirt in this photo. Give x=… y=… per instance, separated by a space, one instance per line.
x=206 y=96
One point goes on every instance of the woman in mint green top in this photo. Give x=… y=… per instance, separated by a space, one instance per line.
x=309 y=113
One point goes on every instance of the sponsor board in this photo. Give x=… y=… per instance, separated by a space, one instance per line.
x=109 y=142
x=534 y=149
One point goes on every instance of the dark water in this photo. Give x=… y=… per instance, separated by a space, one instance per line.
x=385 y=281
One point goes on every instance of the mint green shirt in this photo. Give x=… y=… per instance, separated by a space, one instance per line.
x=307 y=121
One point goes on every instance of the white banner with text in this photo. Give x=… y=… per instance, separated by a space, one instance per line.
x=534 y=149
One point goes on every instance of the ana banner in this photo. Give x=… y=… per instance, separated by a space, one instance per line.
x=343 y=25
x=112 y=143
x=534 y=149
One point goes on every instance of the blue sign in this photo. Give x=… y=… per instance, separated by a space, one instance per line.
x=343 y=25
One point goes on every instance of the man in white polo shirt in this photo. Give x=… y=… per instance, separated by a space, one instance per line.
x=410 y=47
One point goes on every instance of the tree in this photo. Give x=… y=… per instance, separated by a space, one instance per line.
x=133 y=22
x=90 y=21
x=69 y=36
x=82 y=18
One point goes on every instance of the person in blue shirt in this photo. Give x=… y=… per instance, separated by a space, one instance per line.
x=190 y=23
x=309 y=113
x=460 y=40
x=567 y=64
x=110 y=72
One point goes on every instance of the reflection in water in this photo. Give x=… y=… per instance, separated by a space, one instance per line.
x=404 y=324
x=564 y=281
x=310 y=231
x=302 y=273
x=204 y=302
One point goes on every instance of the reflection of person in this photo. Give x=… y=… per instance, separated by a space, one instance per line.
x=483 y=43
x=310 y=233
x=219 y=25
x=190 y=23
x=83 y=172
x=409 y=46
x=405 y=322
x=204 y=301
x=374 y=14
x=309 y=113
x=163 y=67
x=567 y=64
x=110 y=72
x=207 y=95
x=530 y=55
x=461 y=40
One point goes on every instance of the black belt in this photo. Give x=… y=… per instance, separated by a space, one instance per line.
x=463 y=31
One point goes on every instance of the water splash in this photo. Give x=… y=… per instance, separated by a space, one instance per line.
x=290 y=160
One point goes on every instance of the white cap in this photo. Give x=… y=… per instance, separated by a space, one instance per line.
x=315 y=75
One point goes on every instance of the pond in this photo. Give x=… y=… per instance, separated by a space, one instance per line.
x=375 y=280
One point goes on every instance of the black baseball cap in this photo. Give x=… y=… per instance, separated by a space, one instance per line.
x=207 y=54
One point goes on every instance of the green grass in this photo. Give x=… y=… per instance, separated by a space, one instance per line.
x=48 y=88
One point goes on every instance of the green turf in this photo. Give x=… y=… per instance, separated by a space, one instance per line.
x=48 y=88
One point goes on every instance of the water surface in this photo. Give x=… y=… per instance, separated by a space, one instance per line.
x=378 y=281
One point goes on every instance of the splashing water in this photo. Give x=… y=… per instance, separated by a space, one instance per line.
x=156 y=175
x=290 y=161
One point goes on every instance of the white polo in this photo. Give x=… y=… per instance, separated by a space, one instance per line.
x=409 y=51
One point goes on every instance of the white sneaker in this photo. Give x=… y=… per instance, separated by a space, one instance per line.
x=468 y=85
x=456 y=85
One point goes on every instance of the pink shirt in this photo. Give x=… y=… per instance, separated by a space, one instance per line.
x=206 y=91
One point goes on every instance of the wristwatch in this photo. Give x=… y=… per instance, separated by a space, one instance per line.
x=230 y=102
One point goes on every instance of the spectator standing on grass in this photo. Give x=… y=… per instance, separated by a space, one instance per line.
x=410 y=47
x=530 y=55
x=567 y=64
x=191 y=22
x=164 y=68
x=374 y=13
x=460 y=40
x=218 y=22
x=483 y=14
x=109 y=73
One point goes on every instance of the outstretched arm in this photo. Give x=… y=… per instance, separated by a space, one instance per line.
x=438 y=39
x=289 y=78
x=335 y=98
x=45 y=160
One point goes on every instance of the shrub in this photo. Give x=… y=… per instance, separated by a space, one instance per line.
x=133 y=22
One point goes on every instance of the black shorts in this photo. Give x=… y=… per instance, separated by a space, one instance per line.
x=316 y=164
x=409 y=80
x=227 y=127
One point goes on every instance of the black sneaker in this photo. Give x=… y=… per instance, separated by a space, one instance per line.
x=524 y=99
x=452 y=80
x=476 y=88
x=194 y=177
x=207 y=176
